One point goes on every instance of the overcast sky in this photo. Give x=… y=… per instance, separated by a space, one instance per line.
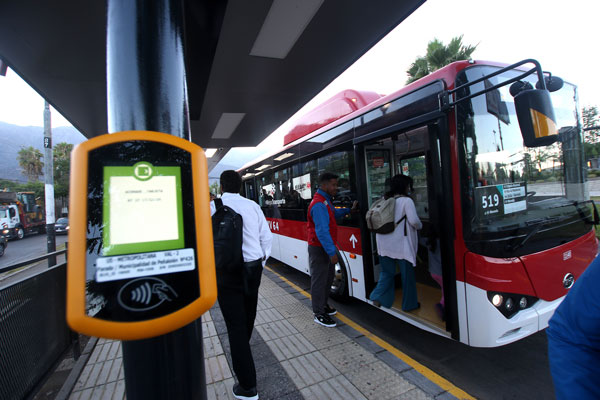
x=562 y=35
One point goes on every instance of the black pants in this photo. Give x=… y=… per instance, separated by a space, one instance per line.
x=322 y=272
x=238 y=297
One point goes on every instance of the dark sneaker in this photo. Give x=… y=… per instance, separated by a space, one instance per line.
x=325 y=320
x=330 y=310
x=243 y=394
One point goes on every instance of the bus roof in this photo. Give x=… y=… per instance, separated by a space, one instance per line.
x=446 y=74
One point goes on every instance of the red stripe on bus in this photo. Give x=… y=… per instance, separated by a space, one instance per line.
x=348 y=239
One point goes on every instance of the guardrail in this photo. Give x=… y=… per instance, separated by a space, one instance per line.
x=33 y=329
x=34 y=260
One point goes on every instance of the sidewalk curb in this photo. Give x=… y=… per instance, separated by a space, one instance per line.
x=67 y=387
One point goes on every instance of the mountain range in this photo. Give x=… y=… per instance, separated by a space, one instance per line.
x=14 y=137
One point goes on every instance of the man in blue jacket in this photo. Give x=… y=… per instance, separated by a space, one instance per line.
x=322 y=251
x=574 y=339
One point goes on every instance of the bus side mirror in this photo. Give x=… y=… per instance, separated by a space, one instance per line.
x=536 y=116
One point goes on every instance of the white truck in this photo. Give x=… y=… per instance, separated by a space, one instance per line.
x=20 y=214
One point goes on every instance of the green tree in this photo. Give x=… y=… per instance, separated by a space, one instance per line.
x=62 y=167
x=439 y=55
x=30 y=161
x=591 y=124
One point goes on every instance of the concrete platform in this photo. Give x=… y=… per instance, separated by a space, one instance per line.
x=295 y=358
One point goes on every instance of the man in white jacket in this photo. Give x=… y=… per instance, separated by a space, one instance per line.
x=238 y=305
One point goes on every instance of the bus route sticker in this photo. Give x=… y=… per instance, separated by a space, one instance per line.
x=498 y=200
x=129 y=266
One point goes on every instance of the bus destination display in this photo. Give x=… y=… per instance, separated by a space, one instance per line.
x=498 y=200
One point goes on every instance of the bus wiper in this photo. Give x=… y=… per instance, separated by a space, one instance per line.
x=513 y=247
x=582 y=215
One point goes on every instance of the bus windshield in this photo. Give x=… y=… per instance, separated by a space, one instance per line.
x=518 y=200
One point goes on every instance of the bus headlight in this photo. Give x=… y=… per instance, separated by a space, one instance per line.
x=523 y=302
x=497 y=300
x=506 y=303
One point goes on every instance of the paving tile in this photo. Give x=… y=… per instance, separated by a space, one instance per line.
x=322 y=337
x=392 y=361
x=220 y=390
x=86 y=394
x=83 y=377
x=309 y=369
x=208 y=329
x=280 y=299
x=104 y=349
x=267 y=316
x=378 y=381
x=275 y=330
x=299 y=296
x=303 y=322
x=273 y=382
x=109 y=390
x=333 y=389
x=295 y=395
x=422 y=382
x=206 y=317
x=220 y=326
x=369 y=344
x=93 y=377
x=263 y=305
x=115 y=351
x=212 y=346
x=262 y=355
x=103 y=376
x=295 y=309
x=446 y=396
x=216 y=369
x=415 y=394
x=348 y=356
x=349 y=331
x=119 y=393
x=98 y=392
x=290 y=347
x=117 y=365
x=290 y=289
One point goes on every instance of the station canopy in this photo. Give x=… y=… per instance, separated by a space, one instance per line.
x=250 y=64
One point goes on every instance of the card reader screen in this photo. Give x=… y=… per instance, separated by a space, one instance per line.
x=142 y=209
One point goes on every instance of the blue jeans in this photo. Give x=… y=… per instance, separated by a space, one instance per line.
x=384 y=291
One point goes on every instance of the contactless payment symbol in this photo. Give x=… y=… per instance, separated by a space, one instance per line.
x=143 y=171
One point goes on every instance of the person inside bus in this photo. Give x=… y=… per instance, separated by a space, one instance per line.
x=399 y=248
x=322 y=251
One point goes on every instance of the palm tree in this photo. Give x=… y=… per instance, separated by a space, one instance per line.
x=30 y=161
x=439 y=55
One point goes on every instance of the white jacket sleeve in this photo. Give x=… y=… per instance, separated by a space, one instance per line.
x=411 y=214
x=265 y=235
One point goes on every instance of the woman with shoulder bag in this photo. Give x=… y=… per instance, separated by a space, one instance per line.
x=399 y=247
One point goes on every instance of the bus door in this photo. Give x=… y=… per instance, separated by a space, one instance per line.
x=379 y=170
x=408 y=153
x=412 y=157
x=250 y=192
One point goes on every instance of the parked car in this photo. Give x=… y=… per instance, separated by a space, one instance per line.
x=3 y=244
x=62 y=226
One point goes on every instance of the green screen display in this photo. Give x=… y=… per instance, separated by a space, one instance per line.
x=142 y=209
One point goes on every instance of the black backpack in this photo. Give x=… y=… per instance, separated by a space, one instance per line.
x=227 y=228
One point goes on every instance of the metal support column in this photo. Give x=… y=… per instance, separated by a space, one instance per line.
x=49 y=186
x=146 y=90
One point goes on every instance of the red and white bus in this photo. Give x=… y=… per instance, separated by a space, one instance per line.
x=513 y=223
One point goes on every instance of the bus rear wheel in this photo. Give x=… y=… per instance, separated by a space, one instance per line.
x=339 y=287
